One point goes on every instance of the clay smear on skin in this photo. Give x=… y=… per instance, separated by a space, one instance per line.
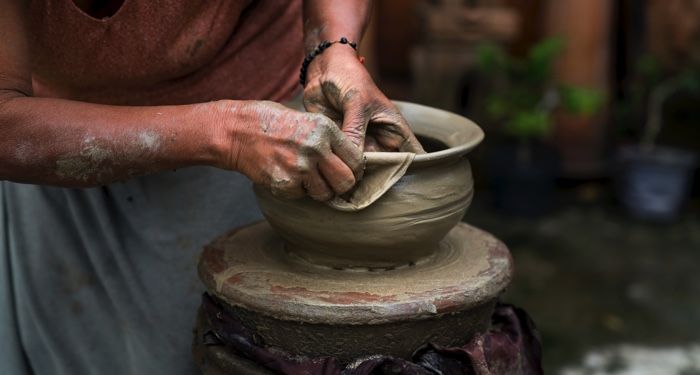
x=314 y=139
x=23 y=152
x=96 y=156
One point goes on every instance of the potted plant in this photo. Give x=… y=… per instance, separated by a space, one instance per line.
x=521 y=97
x=653 y=182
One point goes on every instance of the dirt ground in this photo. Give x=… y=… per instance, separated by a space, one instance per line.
x=592 y=278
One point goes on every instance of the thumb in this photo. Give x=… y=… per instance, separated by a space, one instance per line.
x=355 y=119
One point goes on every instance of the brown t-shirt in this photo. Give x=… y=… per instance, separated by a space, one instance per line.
x=153 y=52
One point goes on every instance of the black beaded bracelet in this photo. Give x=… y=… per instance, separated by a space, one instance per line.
x=317 y=51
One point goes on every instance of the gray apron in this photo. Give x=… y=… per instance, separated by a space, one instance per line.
x=103 y=280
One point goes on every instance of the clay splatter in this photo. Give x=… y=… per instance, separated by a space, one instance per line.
x=86 y=164
x=23 y=152
x=148 y=140
x=96 y=157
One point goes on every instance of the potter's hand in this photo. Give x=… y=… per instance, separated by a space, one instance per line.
x=339 y=86
x=294 y=153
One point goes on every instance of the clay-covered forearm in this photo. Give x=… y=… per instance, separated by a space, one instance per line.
x=74 y=144
x=333 y=19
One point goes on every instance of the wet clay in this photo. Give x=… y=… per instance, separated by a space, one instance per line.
x=250 y=267
x=404 y=224
x=402 y=227
x=382 y=170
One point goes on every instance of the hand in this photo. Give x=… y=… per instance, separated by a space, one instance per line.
x=294 y=153
x=339 y=86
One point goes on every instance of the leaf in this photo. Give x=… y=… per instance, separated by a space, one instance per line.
x=581 y=100
x=546 y=50
x=496 y=107
x=491 y=58
x=541 y=58
x=530 y=124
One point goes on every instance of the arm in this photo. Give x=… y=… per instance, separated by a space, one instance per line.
x=75 y=144
x=339 y=86
x=65 y=143
x=329 y=20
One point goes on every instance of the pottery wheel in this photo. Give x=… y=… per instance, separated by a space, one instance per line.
x=312 y=310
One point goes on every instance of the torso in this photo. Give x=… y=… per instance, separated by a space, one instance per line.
x=166 y=51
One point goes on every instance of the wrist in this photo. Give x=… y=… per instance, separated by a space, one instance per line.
x=338 y=54
x=316 y=36
x=224 y=141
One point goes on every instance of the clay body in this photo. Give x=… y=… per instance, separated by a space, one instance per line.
x=402 y=227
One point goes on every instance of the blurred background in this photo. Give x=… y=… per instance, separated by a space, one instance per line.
x=591 y=111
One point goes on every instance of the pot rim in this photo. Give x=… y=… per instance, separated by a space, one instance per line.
x=464 y=134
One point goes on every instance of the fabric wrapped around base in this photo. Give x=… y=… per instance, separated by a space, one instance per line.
x=511 y=346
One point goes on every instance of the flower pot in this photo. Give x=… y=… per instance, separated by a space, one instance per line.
x=654 y=185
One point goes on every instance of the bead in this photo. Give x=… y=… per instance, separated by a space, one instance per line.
x=317 y=51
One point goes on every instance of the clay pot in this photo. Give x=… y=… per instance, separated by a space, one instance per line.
x=406 y=224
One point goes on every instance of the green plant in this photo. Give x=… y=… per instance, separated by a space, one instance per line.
x=522 y=93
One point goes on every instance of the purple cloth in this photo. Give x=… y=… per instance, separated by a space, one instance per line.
x=511 y=346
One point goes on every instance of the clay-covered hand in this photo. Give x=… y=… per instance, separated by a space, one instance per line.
x=294 y=153
x=339 y=86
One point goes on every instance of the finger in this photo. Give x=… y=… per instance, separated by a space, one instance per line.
x=350 y=154
x=317 y=103
x=371 y=143
x=316 y=187
x=393 y=133
x=411 y=143
x=338 y=175
x=313 y=106
x=356 y=115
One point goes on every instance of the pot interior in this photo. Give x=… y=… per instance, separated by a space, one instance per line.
x=448 y=135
